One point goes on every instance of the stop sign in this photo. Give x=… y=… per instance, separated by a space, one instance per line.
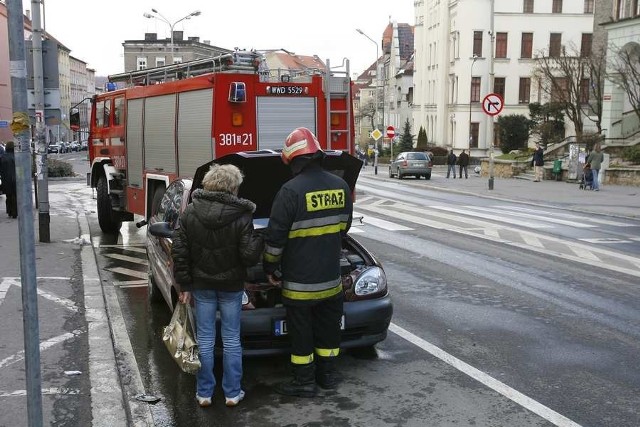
x=391 y=132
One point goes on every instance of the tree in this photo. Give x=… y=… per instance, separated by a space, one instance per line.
x=625 y=64
x=406 y=142
x=547 y=121
x=367 y=111
x=573 y=79
x=423 y=141
x=514 y=132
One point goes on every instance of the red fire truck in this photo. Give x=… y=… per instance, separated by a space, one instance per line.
x=172 y=119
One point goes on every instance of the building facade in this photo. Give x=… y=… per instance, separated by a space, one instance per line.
x=467 y=49
x=154 y=52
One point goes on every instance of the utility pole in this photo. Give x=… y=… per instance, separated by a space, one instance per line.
x=491 y=89
x=20 y=127
x=42 y=169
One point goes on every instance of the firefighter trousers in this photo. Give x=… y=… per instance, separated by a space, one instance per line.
x=314 y=328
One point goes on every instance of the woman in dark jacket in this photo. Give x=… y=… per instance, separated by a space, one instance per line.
x=211 y=251
x=8 y=174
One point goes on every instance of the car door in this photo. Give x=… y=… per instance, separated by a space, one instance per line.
x=397 y=164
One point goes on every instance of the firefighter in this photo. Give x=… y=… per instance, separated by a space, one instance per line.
x=310 y=215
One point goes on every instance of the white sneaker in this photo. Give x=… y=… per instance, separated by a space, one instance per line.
x=203 y=401
x=233 y=401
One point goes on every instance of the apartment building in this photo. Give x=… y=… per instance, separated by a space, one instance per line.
x=466 y=49
x=621 y=31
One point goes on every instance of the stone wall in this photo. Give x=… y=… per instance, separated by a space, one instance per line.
x=509 y=169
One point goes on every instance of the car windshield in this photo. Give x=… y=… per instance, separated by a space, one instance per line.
x=416 y=156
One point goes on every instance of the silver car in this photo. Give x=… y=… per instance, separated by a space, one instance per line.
x=415 y=163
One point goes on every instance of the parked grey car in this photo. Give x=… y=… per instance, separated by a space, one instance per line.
x=367 y=308
x=415 y=163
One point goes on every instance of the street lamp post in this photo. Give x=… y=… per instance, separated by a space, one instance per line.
x=375 y=115
x=475 y=58
x=160 y=17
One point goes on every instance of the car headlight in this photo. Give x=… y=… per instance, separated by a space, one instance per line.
x=372 y=280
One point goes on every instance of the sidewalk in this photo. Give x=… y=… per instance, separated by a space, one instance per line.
x=613 y=200
x=79 y=375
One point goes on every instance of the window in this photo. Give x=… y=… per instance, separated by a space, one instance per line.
x=475 y=89
x=107 y=112
x=177 y=59
x=499 y=84
x=585 y=46
x=524 y=93
x=501 y=45
x=584 y=91
x=557 y=6
x=526 y=46
x=527 y=6
x=588 y=6
x=141 y=63
x=118 y=109
x=160 y=61
x=477 y=43
x=475 y=131
x=555 y=45
x=560 y=90
x=99 y=114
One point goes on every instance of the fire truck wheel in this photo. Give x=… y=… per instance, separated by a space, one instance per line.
x=108 y=219
x=157 y=198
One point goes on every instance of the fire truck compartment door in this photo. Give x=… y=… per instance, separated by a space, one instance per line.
x=194 y=129
x=277 y=117
x=159 y=133
x=134 y=142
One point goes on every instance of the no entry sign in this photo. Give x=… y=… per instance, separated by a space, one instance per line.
x=391 y=132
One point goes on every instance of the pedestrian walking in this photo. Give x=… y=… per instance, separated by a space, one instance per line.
x=538 y=163
x=595 y=158
x=212 y=248
x=451 y=164
x=8 y=174
x=463 y=163
x=310 y=215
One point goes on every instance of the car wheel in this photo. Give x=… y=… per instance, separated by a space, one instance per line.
x=390 y=173
x=108 y=219
x=155 y=296
x=428 y=176
x=400 y=175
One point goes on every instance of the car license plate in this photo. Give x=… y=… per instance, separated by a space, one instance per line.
x=417 y=164
x=280 y=327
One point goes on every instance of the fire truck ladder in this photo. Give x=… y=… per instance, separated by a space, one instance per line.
x=338 y=85
x=230 y=62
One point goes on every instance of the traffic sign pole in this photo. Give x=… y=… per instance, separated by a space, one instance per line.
x=391 y=133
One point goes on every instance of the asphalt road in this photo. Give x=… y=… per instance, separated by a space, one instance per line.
x=505 y=314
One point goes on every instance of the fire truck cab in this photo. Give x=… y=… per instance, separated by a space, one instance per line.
x=170 y=120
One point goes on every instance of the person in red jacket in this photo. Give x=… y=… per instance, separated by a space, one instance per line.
x=310 y=215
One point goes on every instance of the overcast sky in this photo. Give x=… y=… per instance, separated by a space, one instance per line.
x=95 y=30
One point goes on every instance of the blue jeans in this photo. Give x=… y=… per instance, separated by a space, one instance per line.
x=451 y=169
x=207 y=302
x=596 y=185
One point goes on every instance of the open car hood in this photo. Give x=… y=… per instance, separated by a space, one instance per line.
x=264 y=174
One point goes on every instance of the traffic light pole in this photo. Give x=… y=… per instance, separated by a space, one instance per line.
x=42 y=169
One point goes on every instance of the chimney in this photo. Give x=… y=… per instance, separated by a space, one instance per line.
x=150 y=36
x=206 y=42
x=178 y=36
x=194 y=39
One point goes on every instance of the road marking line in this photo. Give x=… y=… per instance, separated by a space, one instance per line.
x=508 y=392
x=532 y=240
x=129 y=272
x=567 y=215
x=604 y=240
x=497 y=217
x=45 y=391
x=127 y=258
x=540 y=216
x=381 y=223
x=10 y=360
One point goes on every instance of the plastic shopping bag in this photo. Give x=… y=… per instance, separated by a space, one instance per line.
x=180 y=339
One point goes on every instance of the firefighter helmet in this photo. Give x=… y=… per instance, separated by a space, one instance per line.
x=299 y=142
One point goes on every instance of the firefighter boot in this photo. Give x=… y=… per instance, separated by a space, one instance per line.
x=303 y=383
x=326 y=376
